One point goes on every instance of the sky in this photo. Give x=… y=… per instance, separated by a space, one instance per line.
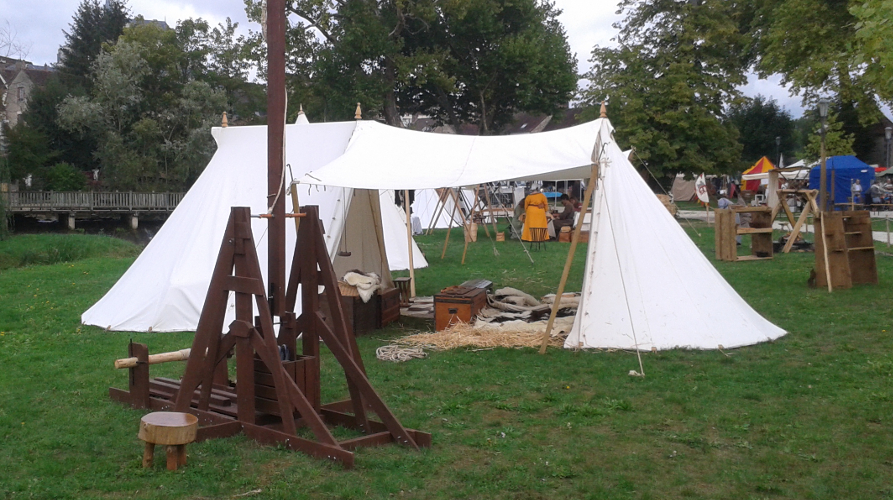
x=40 y=23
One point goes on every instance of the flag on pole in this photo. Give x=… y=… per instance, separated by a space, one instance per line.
x=701 y=189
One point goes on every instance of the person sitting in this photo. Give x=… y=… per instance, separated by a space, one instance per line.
x=566 y=217
x=877 y=194
x=535 y=215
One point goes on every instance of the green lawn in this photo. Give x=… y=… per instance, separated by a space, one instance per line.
x=808 y=416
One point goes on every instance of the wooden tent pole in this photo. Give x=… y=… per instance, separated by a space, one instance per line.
x=441 y=203
x=570 y=256
x=477 y=201
x=409 y=243
x=825 y=251
x=490 y=208
x=466 y=226
x=449 y=230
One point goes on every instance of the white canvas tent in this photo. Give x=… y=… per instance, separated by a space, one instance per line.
x=165 y=288
x=426 y=206
x=646 y=284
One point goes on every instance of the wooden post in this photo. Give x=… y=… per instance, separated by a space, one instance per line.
x=449 y=230
x=276 y=154
x=570 y=254
x=825 y=252
x=887 y=219
x=409 y=243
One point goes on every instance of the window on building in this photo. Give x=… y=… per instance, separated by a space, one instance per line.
x=21 y=94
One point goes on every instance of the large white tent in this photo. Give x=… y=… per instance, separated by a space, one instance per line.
x=165 y=288
x=646 y=284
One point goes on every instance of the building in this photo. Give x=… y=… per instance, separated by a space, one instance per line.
x=17 y=81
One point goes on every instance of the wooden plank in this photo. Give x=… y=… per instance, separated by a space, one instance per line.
x=265 y=435
x=796 y=230
x=742 y=258
x=754 y=230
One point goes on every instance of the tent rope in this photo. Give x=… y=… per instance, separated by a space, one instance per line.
x=398 y=353
x=645 y=164
x=514 y=228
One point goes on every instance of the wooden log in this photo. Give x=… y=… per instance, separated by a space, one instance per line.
x=154 y=359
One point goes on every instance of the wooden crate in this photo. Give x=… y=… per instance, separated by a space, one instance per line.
x=459 y=303
x=303 y=370
x=727 y=231
x=390 y=306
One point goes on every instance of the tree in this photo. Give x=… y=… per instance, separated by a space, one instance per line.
x=759 y=121
x=150 y=115
x=459 y=60
x=837 y=141
x=28 y=152
x=825 y=47
x=874 y=50
x=676 y=66
x=498 y=56
x=64 y=177
x=10 y=45
x=93 y=25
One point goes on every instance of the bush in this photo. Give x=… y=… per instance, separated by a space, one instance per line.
x=65 y=177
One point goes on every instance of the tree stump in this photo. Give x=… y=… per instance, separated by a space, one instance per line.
x=172 y=429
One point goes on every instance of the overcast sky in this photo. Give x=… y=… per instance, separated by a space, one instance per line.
x=40 y=23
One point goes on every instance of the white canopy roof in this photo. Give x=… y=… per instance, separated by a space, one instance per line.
x=646 y=284
x=383 y=157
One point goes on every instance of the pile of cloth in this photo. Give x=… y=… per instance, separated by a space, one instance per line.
x=366 y=284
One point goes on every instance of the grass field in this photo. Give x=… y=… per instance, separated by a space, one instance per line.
x=807 y=416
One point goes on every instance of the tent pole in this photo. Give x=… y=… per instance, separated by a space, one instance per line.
x=477 y=203
x=514 y=229
x=490 y=207
x=409 y=243
x=438 y=209
x=466 y=226
x=276 y=155
x=887 y=219
x=570 y=255
x=449 y=230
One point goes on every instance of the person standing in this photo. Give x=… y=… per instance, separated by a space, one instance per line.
x=534 y=214
x=856 y=191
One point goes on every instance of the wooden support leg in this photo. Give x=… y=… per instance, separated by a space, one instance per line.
x=181 y=455
x=148 y=455
x=173 y=456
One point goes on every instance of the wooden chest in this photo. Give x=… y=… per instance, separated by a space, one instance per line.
x=390 y=306
x=363 y=316
x=458 y=303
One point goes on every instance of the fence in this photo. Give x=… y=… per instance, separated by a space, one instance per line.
x=87 y=201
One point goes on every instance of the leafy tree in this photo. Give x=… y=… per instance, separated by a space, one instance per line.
x=675 y=66
x=150 y=116
x=93 y=25
x=64 y=177
x=837 y=140
x=497 y=57
x=42 y=115
x=29 y=153
x=874 y=50
x=759 y=121
x=459 y=60
x=821 y=47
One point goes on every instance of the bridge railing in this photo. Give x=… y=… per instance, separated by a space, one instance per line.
x=92 y=201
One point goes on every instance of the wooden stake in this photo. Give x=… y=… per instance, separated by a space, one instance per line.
x=887 y=218
x=570 y=255
x=825 y=252
x=409 y=243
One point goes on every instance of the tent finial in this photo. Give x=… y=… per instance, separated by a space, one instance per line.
x=603 y=112
x=301 y=109
x=359 y=114
x=223 y=122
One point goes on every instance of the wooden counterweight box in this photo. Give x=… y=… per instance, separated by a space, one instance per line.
x=458 y=303
x=363 y=316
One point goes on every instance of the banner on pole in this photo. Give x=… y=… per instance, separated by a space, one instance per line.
x=701 y=189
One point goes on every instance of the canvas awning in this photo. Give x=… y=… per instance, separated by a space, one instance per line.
x=420 y=160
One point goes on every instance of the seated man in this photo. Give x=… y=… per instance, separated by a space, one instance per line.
x=566 y=217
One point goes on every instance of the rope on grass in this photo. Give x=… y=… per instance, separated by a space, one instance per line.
x=398 y=353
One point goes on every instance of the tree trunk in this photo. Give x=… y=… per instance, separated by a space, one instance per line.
x=389 y=106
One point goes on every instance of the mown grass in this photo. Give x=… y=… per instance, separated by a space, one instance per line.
x=807 y=416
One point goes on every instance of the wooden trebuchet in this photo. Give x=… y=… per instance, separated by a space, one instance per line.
x=154 y=359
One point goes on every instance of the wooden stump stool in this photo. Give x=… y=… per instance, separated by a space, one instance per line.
x=172 y=429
